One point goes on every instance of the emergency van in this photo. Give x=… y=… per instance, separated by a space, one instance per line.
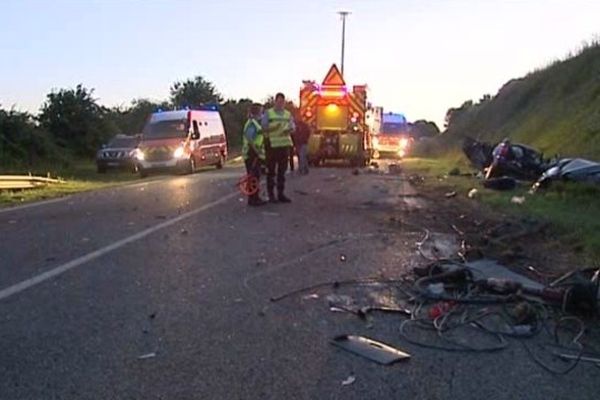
x=393 y=138
x=182 y=141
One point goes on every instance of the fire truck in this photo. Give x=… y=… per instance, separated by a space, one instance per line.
x=336 y=117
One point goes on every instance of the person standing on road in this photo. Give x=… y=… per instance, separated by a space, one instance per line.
x=301 y=136
x=253 y=150
x=278 y=124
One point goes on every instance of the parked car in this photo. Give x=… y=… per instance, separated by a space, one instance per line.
x=118 y=153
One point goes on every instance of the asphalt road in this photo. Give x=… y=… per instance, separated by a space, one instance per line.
x=160 y=290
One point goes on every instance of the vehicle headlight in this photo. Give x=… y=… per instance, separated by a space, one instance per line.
x=178 y=153
x=138 y=155
x=403 y=143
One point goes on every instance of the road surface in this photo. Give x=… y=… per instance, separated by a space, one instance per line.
x=160 y=290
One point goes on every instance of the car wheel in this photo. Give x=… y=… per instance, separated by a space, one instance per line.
x=221 y=162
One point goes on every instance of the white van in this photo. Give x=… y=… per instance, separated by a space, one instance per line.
x=182 y=141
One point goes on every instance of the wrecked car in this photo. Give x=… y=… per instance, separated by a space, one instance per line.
x=571 y=169
x=523 y=162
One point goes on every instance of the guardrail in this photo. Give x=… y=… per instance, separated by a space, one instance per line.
x=19 y=182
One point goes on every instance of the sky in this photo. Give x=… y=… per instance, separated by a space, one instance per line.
x=418 y=57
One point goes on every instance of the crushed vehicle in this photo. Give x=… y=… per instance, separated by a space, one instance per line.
x=571 y=169
x=523 y=162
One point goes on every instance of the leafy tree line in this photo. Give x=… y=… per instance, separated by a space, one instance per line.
x=72 y=124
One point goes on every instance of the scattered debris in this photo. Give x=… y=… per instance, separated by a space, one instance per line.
x=394 y=169
x=348 y=381
x=517 y=200
x=147 y=356
x=473 y=193
x=310 y=296
x=342 y=257
x=183 y=231
x=455 y=229
x=370 y=349
x=450 y=194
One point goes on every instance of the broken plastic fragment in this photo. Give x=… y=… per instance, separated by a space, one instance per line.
x=348 y=381
x=375 y=351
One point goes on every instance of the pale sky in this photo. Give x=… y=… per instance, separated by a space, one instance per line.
x=418 y=57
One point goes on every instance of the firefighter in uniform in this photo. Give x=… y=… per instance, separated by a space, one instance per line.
x=253 y=149
x=278 y=125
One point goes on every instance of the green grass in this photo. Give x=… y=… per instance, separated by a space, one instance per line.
x=572 y=209
x=79 y=177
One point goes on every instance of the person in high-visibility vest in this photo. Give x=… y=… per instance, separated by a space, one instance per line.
x=278 y=125
x=253 y=149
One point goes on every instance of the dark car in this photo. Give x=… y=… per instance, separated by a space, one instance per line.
x=523 y=162
x=119 y=153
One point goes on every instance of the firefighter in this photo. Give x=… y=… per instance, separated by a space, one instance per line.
x=278 y=125
x=253 y=149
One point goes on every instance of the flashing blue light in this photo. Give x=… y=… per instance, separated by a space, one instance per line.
x=209 y=107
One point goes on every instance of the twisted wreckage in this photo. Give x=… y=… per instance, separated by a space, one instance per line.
x=526 y=163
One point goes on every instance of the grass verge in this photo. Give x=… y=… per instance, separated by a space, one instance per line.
x=79 y=177
x=572 y=209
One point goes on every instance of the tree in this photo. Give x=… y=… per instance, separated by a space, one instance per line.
x=422 y=128
x=21 y=140
x=131 y=120
x=234 y=114
x=76 y=121
x=194 y=92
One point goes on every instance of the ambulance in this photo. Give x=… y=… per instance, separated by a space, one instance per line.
x=182 y=141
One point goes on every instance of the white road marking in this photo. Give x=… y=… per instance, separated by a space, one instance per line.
x=36 y=280
x=31 y=205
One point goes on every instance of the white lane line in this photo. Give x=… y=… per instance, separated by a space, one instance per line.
x=31 y=205
x=36 y=280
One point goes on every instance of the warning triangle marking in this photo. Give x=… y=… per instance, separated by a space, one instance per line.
x=334 y=77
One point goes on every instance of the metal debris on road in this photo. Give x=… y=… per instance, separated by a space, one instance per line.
x=370 y=349
x=343 y=258
x=310 y=296
x=473 y=193
x=147 y=356
x=450 y=194
x=349 y=380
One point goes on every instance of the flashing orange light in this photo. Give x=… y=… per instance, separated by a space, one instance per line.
x=332 y=93
x=332 y=108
